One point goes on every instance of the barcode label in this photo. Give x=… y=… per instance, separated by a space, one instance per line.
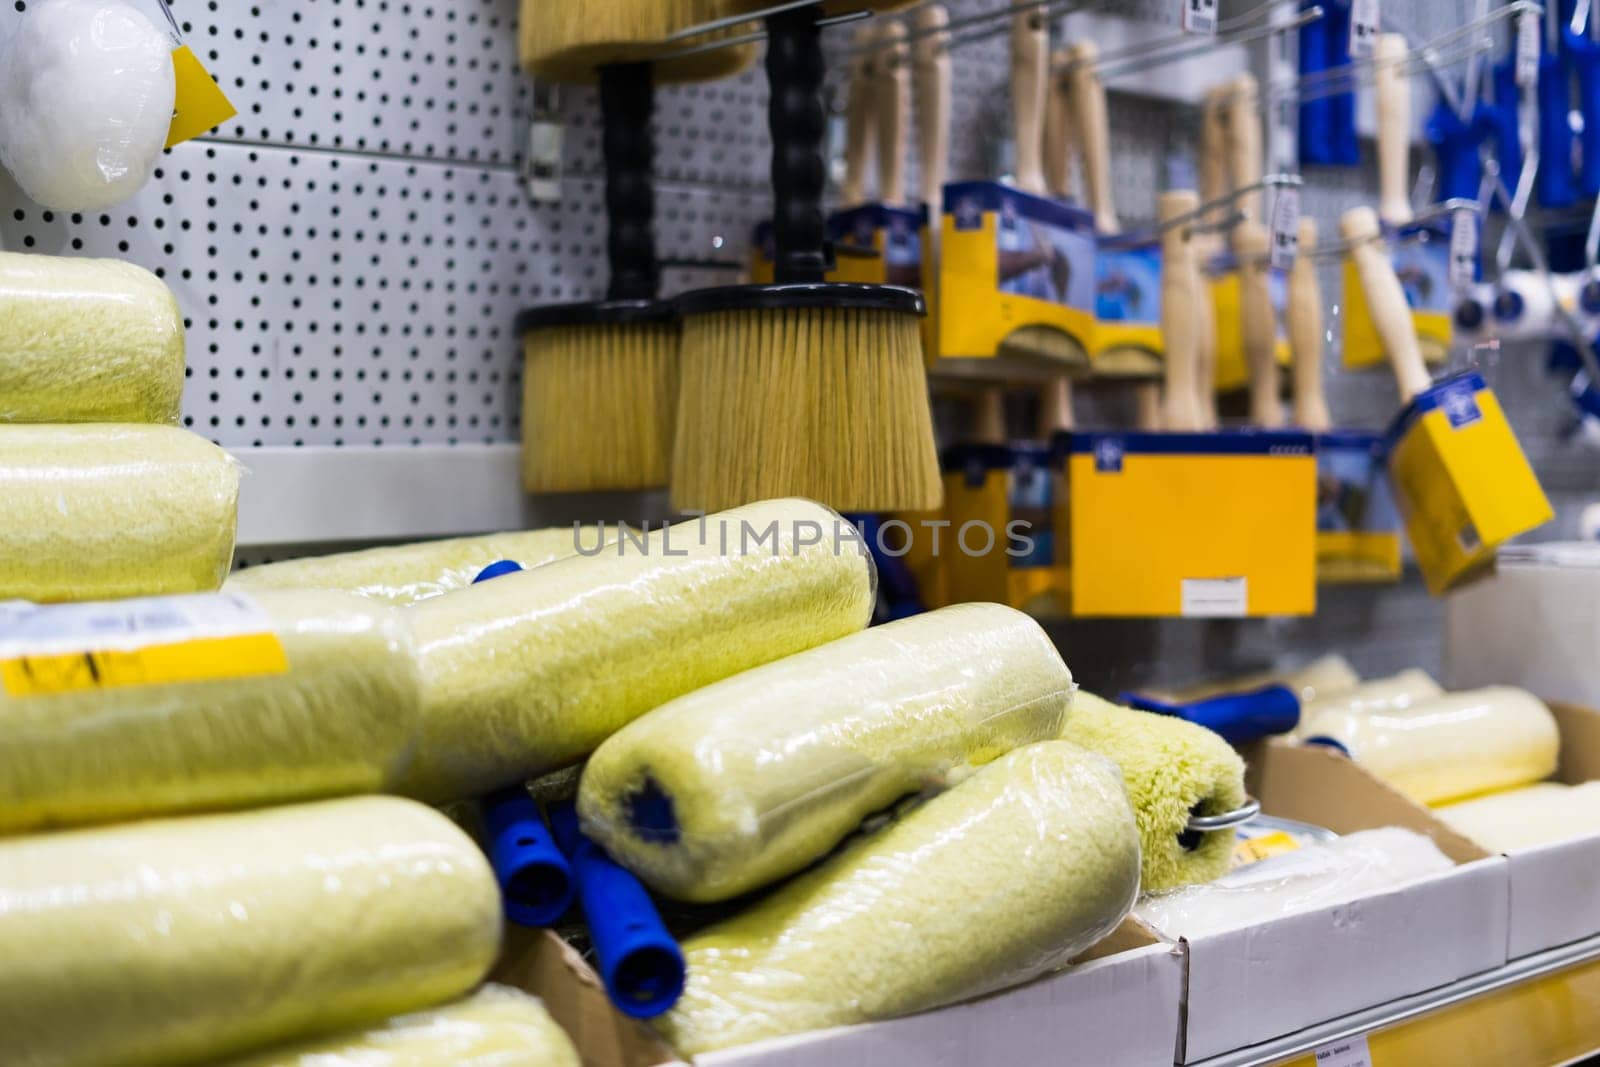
x=1200 y=16
x=1527 y=68
x=1215 y=598
x=1285 y=228
x=1463 y=247
x=1364 y=27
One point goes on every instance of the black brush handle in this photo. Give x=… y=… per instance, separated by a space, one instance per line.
x=627 y=99
x=797 y=122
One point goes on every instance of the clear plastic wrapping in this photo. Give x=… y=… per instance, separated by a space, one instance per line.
x=405 y=574
x=530 y=672
x=1322 y=677
x=1173 y=769
x=87 y=340
x=733 y=786
x=1528 y=817
x=138 y=707
x=495 y=1027
x=87 y=89
x=1339 y=871
x=94 y=512
x=1005 y=876
x=1452 y=746
x=1394 y=693
x=180 y=941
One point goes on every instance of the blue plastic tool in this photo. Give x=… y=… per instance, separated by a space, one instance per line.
x=1556 y=184
x=1327 y=122
x=496 y=569
x=640 y=963
x=1501 y=117
x=1584 y=56
x=535 y=878
x=898 y=594
x=1455 y=147
x=1238 y=717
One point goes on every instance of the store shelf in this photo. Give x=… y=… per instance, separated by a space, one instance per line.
x=1544 y=1009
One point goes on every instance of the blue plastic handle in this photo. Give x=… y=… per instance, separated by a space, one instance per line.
x=1238 y=717
x=1501 y=117
x=1584 y=55
x=535 y=878
x=1455 y=148
x=1556 y=185
x=898 y=595
x=1327 y=124
x=640 y=963
x=496 y=569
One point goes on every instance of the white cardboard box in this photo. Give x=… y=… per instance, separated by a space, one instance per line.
x=1246 y=986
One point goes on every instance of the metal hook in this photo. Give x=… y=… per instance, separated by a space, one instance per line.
x=1141 y=62
x=758 y=35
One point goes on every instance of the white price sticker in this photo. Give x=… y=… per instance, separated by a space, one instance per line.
x=1200 y=16
x=1215 y=598
x=1351 y=1052
x=1364 y=27
x=1285 y=228
x=1527 y=68
x=1463 y=247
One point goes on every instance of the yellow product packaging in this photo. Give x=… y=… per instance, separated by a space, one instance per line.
x=1421 y=257
x=1016 y=276
x=1193 y=525
x=1002 y=544
x=1461 y=480
x=874 y=244
x=1358 y=528
x=1222 y=278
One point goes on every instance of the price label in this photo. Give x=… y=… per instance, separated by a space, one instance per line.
x=1200 y=16
x=1351 y=1052
x=1463 y=247
x=1364 y=27
x=1527 y=68
x=1285 y=228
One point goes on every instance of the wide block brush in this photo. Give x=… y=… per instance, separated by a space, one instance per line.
x=802 y=388
x=569 y=42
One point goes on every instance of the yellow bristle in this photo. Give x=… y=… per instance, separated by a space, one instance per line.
x=825 y=403
x=598 y=403
x=565 y=41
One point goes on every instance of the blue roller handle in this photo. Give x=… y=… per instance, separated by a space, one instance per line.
x=1556 y=185
x=640 y=963
x=1455 y=147
x=1238 y=717
x=535 y=878
x=1501 y=117
x=1584 y=54
x=1345 y=149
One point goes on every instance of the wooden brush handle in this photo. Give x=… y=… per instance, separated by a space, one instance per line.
x=1089 y=101
x=1386 y=301
x=1393 y=96
x=932 y=57
x=1060 y=132
x=1305 y=334
x=1214 y=181
x=893 y=97
x=627 y=99
x=1055 y=407
x=1258 y=324
x=1244 y=142
x=1030 y=47
x=796 y=121
x=989 y=417
x=860 y=118
x=1205 y=338
x=1148 y=415
x=1179 y=301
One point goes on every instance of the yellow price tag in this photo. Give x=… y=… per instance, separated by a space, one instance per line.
x=1247 y=850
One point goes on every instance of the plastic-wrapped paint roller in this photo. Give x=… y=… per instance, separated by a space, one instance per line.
x=405 y=574
x=640 y=963
x=87 y=340
x=113 y=510
x=1322 y=677
x=129 y=708
x=1173 y=770
x=495 y=1027
x=1528 y=817
x=87 y=89
x=183 y=940
x=530 y=672
x=1451 y=747
x=1006 y=876
x=733 y=786
x=535 y=876
x=1393 y=693
x=1321 y=875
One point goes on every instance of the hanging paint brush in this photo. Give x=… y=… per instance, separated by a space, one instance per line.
x=892 y=97
x=1060 y=130
x=1392 y=97
x=861 y=135
x=1180 y=297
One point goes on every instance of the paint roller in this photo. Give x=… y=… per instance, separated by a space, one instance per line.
x=1176 y=773
x=1394 y=693
x=1239 y=717
x=1324 y=676
x=1006 y=876
x=1528 y=817
x=1450 y=747
x=736 y=785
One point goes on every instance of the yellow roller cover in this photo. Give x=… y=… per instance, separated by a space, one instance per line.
x=1528 y=817
x=1008 y=875
x=87 y=340
x=1173 y=769
x=495 y=1027
x=1381 y=694
x=530 y=672
x=405 y=574
x=1323 y=677
x=217 y=700
x=1453 y=746
x=174 y=942
x=735 y=785
x=94 y=512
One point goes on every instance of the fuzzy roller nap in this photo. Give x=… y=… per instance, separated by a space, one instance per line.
x=87 y=340
x=1173 y=769
x=1450 y=747
x=1394 y=693
x=175 y=942
x=329 y=709
x=93 y=512
x=1004 y=877
x=738 y=784
x=531 y=671
x=495 y=1027
x=405 y=574
x=1528 y=817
